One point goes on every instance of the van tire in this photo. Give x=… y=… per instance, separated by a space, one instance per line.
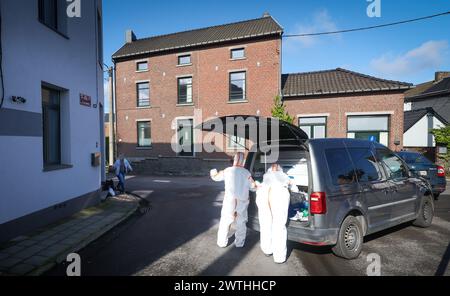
x=426 y=213
x=350 y=239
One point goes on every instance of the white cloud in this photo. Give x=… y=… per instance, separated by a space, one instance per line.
x=429 y=55
x=321 y=22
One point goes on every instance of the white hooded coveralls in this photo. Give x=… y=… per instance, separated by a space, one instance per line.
x=238 y=182
x=273 y=200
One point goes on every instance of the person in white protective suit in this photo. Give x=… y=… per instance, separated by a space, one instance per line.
x=273 y=199
x=238 y=182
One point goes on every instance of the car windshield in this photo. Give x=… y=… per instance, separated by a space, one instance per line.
x=412 y=158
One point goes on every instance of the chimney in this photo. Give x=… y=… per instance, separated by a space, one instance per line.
x=129 y=36
x=441 y=75
x=266 y=14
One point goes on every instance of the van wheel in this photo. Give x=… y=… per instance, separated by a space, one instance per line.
x=350 y=239
x=426 y=213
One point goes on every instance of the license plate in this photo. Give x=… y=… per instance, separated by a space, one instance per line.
x=423 y=173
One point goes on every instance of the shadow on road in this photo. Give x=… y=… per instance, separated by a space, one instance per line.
x=225 y=264
x=442 y=268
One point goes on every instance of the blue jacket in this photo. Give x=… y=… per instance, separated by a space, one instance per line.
x=116 y=166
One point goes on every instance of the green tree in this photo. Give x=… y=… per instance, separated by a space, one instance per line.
x=279 y=111
x=443 y=138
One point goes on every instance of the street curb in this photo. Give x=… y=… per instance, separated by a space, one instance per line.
x=62 y=257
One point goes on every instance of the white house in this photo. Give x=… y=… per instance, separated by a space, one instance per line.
x=51 y=111
x=418 y=126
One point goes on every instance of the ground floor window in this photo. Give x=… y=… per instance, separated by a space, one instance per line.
x=51 y=119
x=373 y=128
x=144 y=134
x=314 y=127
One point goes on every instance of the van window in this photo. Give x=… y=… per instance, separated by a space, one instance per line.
x=395 y=168
x=366 y=167
x=341 y=168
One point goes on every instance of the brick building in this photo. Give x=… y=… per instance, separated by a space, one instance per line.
x=236 y=69
x=222 y=70
x=344 y=104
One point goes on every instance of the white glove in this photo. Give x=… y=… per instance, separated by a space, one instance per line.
x=213 y=173
x=294 y=189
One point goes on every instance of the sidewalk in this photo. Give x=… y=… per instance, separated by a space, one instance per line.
x=40 y=251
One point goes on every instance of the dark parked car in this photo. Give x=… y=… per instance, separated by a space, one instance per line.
x=353 y=188
x=425 y=168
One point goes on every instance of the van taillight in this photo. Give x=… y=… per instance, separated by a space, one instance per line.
x=318 y=203
x=441 y=171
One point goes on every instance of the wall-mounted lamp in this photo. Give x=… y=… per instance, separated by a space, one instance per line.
x=18 y=100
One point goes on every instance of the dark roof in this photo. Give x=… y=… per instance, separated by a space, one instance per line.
x=430 y=89
x=337 y=81
x=412 y=117
x=264 y=26
x=418 y=89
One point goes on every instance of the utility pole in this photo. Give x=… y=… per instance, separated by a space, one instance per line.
x=112 y=139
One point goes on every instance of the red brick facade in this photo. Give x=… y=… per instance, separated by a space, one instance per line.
x=210 y=73
x=338 y=108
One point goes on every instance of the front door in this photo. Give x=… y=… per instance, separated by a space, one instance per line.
x=185 y=132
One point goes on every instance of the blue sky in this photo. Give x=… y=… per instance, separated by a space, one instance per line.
x=410 y=52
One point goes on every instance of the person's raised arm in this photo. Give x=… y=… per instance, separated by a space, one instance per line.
x=217 y=176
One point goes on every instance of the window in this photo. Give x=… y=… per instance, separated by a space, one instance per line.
x=340 y=166
x=373 y=128
x=395 y=168
x=236 y=142
x=143 y=94
x=184 y=60
x=185 y=90
x=51 y=117
x=366 y=167
x=314 y=127
x=52 y=13
x=48 y=13
x=144 y=134
x=141 y=66
x=238 y=53
x=237 y=86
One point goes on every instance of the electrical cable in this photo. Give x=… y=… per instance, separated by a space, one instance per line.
x=368 y=28
x=2 y=97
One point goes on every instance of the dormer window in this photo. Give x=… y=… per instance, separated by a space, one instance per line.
x=184 y=60
x=238 y=53
x=142 y=66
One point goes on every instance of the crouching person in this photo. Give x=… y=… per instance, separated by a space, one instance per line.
x=238 y=182
x=273 y=199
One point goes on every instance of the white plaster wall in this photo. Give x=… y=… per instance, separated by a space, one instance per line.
x=33 y=53
x=419 y=134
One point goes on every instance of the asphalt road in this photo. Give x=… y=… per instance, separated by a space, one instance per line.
x=178 y=237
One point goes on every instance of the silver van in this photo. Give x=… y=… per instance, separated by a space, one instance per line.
x=354 y=188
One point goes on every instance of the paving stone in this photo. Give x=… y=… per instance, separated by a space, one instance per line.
x=10 y=262
x=27 y=243
x=42 y=236
x=3 y=256
x=30 y=251
x=53 y=251
x=37 y=260
x=13 y=249
x=22 y=269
